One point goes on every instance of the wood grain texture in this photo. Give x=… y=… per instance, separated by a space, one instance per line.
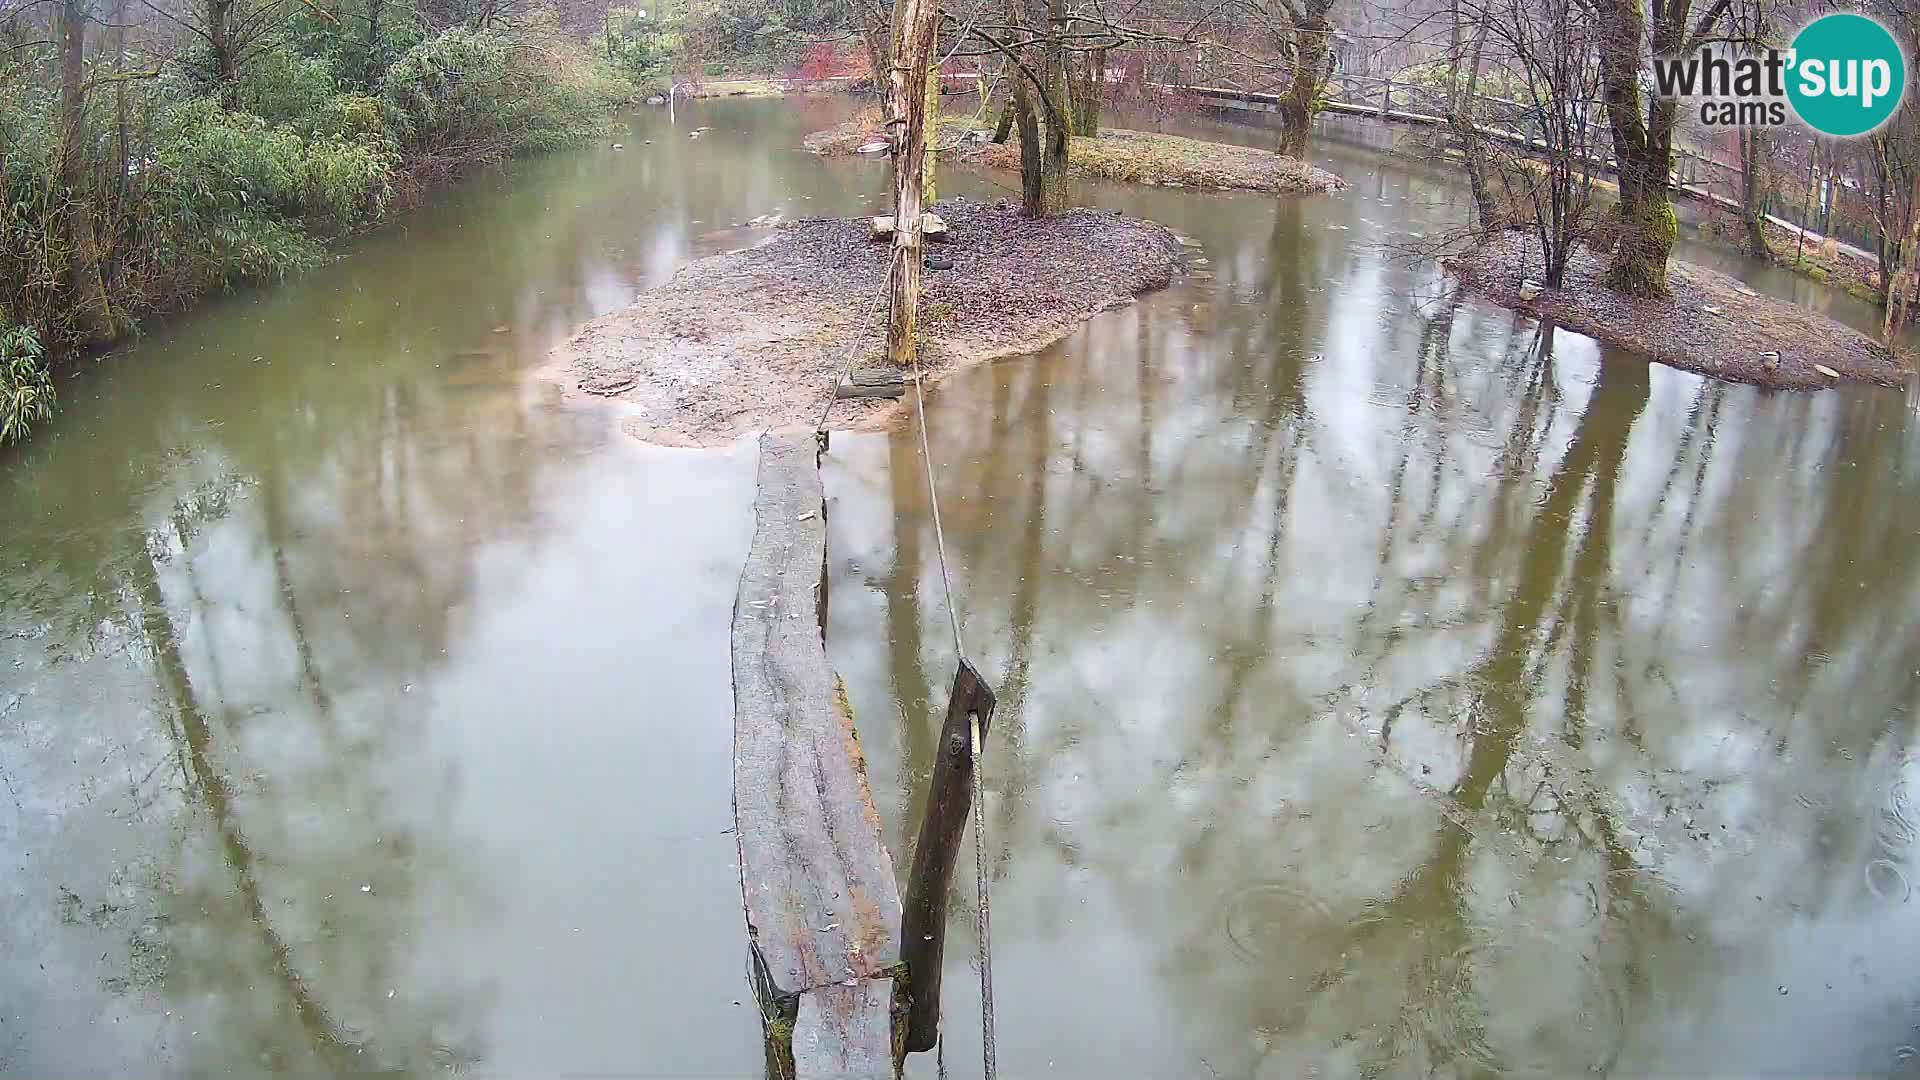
x=821 y=904
x=949 y=798
x=872 y=383
x=845 y=1032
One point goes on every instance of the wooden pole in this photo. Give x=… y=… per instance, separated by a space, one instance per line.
x=933 y=137
x=923 y=921
x=907 y=128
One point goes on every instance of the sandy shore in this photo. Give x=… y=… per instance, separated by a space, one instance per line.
x=1710 y=322
x=752 y=340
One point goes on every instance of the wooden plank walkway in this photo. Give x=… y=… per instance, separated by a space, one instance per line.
x=823 y=911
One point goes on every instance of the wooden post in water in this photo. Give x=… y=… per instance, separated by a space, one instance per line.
x=907 y=128
x=923 y=922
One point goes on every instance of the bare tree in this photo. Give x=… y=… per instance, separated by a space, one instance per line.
x=1553 y=46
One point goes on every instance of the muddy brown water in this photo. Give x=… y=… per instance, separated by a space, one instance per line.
x=1390 y=686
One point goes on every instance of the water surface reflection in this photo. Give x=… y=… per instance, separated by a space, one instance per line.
x=1392 y=685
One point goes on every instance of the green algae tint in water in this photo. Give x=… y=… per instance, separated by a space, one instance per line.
x=363 y=704
x=1389 y=686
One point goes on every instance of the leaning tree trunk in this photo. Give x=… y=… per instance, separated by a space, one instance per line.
x=907 y=120
x=86 y=288
x=1003 y=128
x=1883 y=203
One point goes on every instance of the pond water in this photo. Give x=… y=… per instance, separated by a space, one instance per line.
x=1388 y=684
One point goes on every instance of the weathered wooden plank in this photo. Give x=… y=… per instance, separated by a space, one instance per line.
x=845 y=1032
x=872 y=382
x=932 y=226
x=822 y=908
x=949 y=797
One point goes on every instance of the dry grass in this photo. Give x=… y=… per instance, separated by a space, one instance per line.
x=1138 y=157
x=722 y=88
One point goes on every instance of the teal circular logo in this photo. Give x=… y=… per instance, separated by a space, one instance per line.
x=1846 y=75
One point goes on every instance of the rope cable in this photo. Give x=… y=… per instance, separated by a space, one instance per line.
x=982 y=923
x=853 y=350
x=983 y=930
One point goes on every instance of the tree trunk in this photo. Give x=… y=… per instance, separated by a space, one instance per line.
x=226 y=67
x=915 y=22
x=1462 y=118
x=879 y=45
x=1751 y=194
x=1647 y=231
x=1906 y=274
x=376 y=47
x=1032 y=200
x=1003 y=129
x=92 y=315
x=1829 y=192
x=1312 y=66
x=1059 y=125
x=927 y=195
x=1088 y=78
x=1043 y=147
x=1643 y=149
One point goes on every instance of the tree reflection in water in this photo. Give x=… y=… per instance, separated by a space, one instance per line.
x=1512 y=709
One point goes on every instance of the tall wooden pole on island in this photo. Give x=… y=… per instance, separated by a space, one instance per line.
x=907 y=118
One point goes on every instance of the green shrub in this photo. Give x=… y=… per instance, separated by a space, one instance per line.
x=282 y=87
x=635 y=47
x=353 y=117
x=195 y=185
x=32 y=252
x=480 y=94
x=238 y=198
x=26 y=387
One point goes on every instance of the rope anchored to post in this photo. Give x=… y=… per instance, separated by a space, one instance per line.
x=957 y=786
